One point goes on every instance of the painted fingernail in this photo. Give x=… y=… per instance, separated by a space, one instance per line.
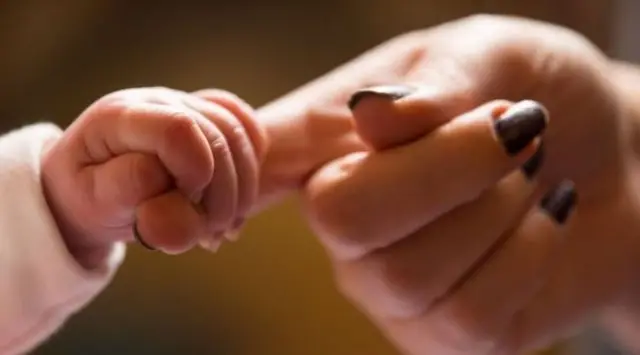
x=532 y=166
x=392 y=92
x=560 y=201
x=520 y=125
x=138 y=238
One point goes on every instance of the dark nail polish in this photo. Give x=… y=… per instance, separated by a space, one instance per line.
x=392 y=92
x=532 y=166
x=138 y=238
x=560 y=201
x=520 y=125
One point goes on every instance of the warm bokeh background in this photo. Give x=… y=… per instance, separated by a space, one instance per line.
x=272 y=292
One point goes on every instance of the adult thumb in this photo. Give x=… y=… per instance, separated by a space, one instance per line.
x=393 y=115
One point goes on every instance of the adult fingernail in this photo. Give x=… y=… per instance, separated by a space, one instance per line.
x=531 y=167
x=139 y=239
x=560 y=201
x=520 y=125
x=391 y=92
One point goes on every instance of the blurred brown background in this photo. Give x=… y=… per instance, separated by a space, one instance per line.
x=272 y=292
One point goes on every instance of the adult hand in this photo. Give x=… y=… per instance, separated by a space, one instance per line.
x=420 y=232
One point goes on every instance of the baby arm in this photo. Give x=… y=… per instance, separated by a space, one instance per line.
x=178 y=169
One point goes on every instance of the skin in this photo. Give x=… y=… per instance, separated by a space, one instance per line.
x=182 y=168
x=448 y=263
x=406 y=262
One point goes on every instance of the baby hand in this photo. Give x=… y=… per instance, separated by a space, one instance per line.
x=169 y=168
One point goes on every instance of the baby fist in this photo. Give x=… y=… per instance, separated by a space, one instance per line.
x=171 y=168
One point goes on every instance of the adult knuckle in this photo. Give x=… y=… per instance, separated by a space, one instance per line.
x=465 y=329
x=396 y=289
x=339 y=210
x=339 y=232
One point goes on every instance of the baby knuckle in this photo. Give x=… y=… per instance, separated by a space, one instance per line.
x=220 y=148
x=115 y=96
x=216 y=95
x=484 y=20
x=108 y=108
x=180 y=127
x=238 y=134
x=145 y=171
x=126 y=95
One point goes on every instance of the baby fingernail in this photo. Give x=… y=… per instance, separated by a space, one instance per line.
x=391 y=92
x=138 y=238
x=211 y=244
x=233 y=234
x=531 y=167
x=238 y=223
x=560 y=201
x=520 y=125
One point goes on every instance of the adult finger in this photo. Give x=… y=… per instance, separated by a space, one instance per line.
x=392 y=115
x=405 y=278
x=480 y=312
x=368 y=201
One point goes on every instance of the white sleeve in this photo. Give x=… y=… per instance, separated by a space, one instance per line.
x=41 y=284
